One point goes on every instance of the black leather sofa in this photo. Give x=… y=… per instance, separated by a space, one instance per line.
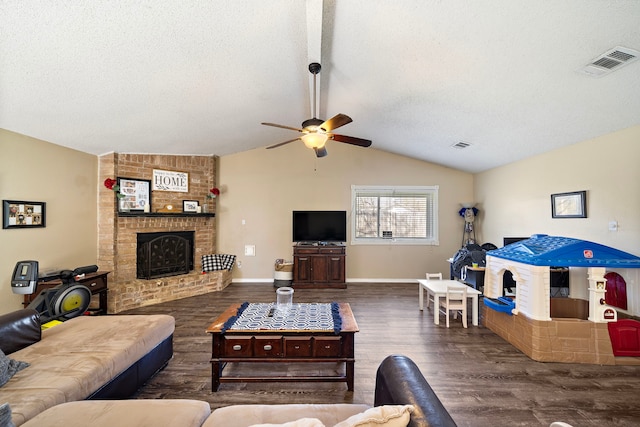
x=400 y=382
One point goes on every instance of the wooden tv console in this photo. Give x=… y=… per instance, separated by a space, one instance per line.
x=319 y=266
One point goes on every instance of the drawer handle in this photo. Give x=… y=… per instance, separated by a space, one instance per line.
x=327 y=346
x=297 y=347
x=237 y=347
x=93 y=284
x=335 y=259
x=268 y=347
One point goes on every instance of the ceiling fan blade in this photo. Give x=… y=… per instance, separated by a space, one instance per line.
x=282 y=143
x=320 y=152
x=335 y=122
x=281 y=126
x=351 y=140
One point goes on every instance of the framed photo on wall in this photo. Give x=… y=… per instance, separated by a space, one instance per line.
x=136 y=194
x=23 y=214
x=569 y=205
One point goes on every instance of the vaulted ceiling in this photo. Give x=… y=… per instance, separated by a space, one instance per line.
x=416 y=76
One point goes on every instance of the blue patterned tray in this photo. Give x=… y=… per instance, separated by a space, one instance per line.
x=301 y=317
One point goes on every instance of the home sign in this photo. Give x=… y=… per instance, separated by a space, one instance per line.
x=170 y=181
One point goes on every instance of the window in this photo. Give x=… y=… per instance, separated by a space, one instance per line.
x=394 y=215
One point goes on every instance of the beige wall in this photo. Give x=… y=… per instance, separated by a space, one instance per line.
x=34 y=170
x=262 y=187
x=516 y=199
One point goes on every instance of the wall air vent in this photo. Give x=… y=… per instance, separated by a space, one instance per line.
x=460 y=145
x=609 y=61
x=387 y=234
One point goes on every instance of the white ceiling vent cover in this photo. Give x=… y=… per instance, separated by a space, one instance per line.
x=611 y=60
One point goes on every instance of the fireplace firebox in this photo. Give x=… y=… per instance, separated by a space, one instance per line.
x=163 y=254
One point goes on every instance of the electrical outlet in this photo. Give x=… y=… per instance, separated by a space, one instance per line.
x=613 y=225
x=250 y=250
x=239 y=264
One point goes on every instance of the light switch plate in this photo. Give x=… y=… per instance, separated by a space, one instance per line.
x=250 y=250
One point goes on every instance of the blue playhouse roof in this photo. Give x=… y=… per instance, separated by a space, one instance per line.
x=541 y=250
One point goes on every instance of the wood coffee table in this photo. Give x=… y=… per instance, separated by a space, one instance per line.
x=282 y=346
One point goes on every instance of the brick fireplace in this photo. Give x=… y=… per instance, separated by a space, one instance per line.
x=117 y=235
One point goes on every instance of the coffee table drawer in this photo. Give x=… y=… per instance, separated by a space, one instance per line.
x=236 y=346
x=267 y=346
x=327 y=346
x=297 y=346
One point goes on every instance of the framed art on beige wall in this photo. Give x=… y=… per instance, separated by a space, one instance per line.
x=23 y=214
x=569 y=205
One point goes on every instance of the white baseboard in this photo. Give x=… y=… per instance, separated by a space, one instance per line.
x=270 y=280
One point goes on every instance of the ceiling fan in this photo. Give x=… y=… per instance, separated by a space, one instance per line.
x=316 y=132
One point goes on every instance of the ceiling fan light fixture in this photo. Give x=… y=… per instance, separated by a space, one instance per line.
x=315 y=139
x=315 y=132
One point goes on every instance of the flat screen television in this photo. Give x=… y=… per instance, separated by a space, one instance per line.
x=319 y=226
x=509 y=240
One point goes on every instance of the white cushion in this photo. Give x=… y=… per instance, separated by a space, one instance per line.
x=249 y=415
x=302 y=422
x=387 y=416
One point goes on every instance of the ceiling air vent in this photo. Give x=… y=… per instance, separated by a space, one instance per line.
x=460 y=145
x=609 y=61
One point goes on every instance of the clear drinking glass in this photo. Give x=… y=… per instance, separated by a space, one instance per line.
x=284 y=299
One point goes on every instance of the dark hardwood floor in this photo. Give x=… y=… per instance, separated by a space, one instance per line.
x=480 y=378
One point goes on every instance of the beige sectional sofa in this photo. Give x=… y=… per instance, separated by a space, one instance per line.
x=87 y=357
x=403 y=397
x=75 y=366
x=186 y=413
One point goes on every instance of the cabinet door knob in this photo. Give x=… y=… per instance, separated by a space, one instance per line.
x=268 y=347
x=237 y=347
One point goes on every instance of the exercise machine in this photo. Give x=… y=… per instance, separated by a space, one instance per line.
x=62 y=302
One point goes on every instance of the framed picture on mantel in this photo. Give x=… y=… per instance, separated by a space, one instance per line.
x=190 y=206
x=137 y=195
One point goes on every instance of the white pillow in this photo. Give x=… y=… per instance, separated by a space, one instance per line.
x=302 y=422
x=380 y=416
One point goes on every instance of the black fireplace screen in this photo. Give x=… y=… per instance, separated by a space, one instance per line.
x=164 y=254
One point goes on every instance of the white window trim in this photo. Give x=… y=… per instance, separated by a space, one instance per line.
x=358 y=189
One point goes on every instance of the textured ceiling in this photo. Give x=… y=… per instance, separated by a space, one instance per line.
x=416 y=76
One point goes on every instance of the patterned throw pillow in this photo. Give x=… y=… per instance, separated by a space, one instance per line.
x=217 y=262
x=9 y=367
x=5 y=416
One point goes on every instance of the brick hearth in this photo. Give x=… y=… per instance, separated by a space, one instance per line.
x=117 y=234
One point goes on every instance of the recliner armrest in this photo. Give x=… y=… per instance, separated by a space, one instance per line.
x=400 y=382
x=19 y=329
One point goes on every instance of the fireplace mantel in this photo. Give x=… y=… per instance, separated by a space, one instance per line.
x=164 y=214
